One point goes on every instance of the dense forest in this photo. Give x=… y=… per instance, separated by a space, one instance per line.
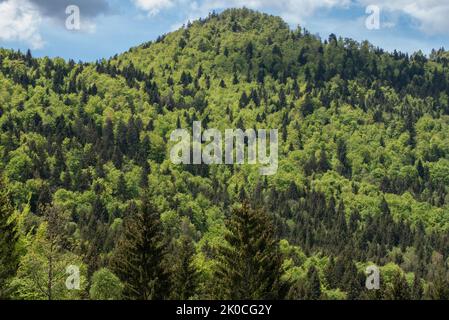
x=363 y=178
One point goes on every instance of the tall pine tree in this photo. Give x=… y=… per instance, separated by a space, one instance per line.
x=139 y=256
x=9 y=259
x=184 y=275
x=250 y=263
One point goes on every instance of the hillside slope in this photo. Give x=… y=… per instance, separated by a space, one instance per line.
x=363 y=157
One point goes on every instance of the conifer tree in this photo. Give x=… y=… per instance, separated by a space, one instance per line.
x=184 y=275
x=139 y=256
x=108 y=139
x=8 y=240
x=417 y=290
x=345 y=167
x=313 y=285
x=308 y=288
x=249 y=263
x=323 y=163
x=400 y=289
x=307 y=106
x=350 y=279
x=439 y=279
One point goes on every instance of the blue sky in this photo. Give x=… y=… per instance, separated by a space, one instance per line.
x=108 y=27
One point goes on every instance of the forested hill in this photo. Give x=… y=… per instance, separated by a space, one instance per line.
x=363 y=172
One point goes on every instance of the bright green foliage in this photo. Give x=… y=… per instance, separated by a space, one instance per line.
x=308 y=288
x=44 y=270
x=363 y=171
x=105 y=286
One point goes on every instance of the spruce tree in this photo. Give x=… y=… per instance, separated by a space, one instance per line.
x=249 y=262
x=439 y=279
x=313 y=285
x=344 y=168
x=417 y=289
x=9 y=259
x=323 y=163
x=350 y=280
x=331 y=273
x=308 y=288
x=400 y=289
x=139 y=256
x=184 y=275
x=108 y=140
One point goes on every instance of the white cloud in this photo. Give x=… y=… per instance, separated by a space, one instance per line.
x=293 y=11
x=153 y=7
x=20 y=21
x=430 y=15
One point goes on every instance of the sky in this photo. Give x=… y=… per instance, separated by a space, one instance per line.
x=89 y=30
